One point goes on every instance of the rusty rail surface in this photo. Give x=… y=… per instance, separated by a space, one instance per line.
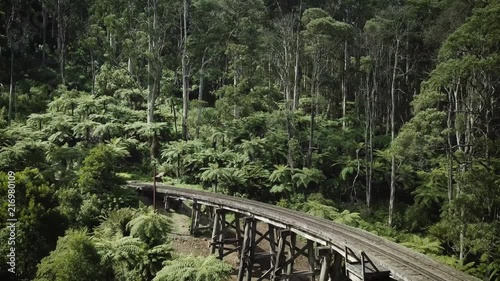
x=403 y=263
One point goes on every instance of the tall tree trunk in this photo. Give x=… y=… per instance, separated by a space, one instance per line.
x=11 y=88
x=289 y=129
x=296 y=75
x=371 y=119
x=92 y=66
x=344 y=88
x=151 y=74
x=285 y=79
x=130 y=66
x=235 y=83
x=44 y=32
x=367 y=140
x=185 y=92
x=200 y=96
x=393 y=133
x=449 y=152
x=154 y=72
x=61 y=41
x=151 y=95
x=314 y=94
x=174 y=112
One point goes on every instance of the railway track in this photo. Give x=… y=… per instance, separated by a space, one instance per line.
x=403 y=263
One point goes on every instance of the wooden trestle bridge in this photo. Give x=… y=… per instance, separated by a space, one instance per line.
x=334 y=251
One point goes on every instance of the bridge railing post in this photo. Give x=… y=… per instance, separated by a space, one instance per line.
x=291 y=252
x=311 y=257
x=215 y=232
x=325 y=258
x=195 y=217
x=237 y=228
x=166 y=203
x=245 y=270
x=222 y=233
x=338 y=270
x=280 y=253
x=272 y=245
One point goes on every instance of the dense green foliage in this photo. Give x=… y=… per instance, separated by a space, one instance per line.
x=191 y=268
x=75 y=258
x=40 y=222
x=378 y=114
x=133 y=243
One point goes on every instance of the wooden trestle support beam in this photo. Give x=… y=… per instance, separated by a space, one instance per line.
x=325 y=264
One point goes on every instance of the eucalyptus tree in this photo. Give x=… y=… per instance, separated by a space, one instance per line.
x=284 y=53
x=468 y=79
x=184 y=67
x=321 y=33
x=68 y=20
x=12 y=18
x=244 y=22
x=206 y=43
x=284 y=41
x=139 y=43
x=387 y=46
x=461 y=95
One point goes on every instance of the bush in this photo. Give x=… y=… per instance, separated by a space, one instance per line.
x=75 y=258
x=98 y=174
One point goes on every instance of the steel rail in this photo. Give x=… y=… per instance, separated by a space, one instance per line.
x=403 y=263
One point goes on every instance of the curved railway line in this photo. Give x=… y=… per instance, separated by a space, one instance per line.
x=403 y=263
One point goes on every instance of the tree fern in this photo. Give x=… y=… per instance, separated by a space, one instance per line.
x=150 y=227
x=190 y=268
x=108 y=130
x=280 y=174
x=252 y=147
x=348 y=218
x=154 y=259
x=307 y=176
x=121 y=254
x=424 y=245
x=119 y=146
x=115 y=225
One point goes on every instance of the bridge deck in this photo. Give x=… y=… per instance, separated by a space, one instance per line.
x=403 y=263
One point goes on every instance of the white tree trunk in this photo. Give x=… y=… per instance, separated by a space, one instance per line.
x=393 y=159
x=344 y=88
x=296 y=76
x=200 y=97
x=185 y=90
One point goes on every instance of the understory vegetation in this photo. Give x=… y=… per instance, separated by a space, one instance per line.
x=382 y=115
